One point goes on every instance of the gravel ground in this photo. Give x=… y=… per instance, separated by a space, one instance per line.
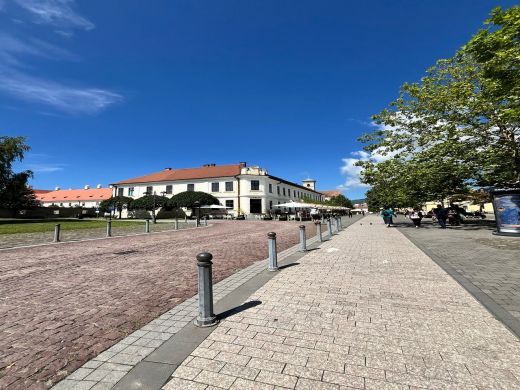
x=62 y=304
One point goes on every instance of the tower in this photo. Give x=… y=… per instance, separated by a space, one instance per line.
x=310 y=184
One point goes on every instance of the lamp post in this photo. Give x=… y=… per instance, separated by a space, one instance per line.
x=197 y=205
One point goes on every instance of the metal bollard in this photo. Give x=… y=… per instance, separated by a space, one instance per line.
x=109 y=228
x=340 y=223
x=147 y=226
x=303 y=239
x=205 y=221
x=57 y=229
x=337 y=224
x=329 y=226
x=176 y=224
x=318 y=231
x=206 y=317
x=273 y=257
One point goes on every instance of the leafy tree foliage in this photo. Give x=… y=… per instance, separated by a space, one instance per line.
x=188 y=199
x=457 y=128
x=149 y=203
x=341 y=200
x=14 y=192
x=117 y=203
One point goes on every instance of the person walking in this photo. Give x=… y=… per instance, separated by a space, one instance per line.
x=442 y=214
x=350 y=214
x=387 y=213
x=416 y=216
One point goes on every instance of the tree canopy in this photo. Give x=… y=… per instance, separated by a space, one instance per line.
x=341 y=200
x=457 y=128
x=14 y=191
x=148 y=202
x=188 y=199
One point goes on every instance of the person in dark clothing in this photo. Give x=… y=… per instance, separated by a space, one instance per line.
x=416 y=216
x=442 y=214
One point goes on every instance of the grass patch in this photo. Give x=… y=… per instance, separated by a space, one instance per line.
x=15 y=226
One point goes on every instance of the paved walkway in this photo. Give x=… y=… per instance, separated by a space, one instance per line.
x=63 y=304
x=368 y=310
x=491 y=263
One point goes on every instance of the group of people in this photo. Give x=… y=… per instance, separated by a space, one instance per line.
x=439 y=214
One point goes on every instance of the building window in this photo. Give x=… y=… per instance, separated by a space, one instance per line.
x=270 y=204
x=215 y=187
x=278 y=190
x=270 y=188
x=191 y=187
x=70 y=204
x=130 y=191
x=61 y=204
x=149 y=190
x=229 y=186
x=284 y=191
x=83 y=204
x=230 y=203
x=169 y=189
x=255 y=185
x=120 y=191
x=288 y=192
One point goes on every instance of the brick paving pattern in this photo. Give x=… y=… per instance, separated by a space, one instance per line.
x=489 y=262
x=63 y=304
x=367 y=311
x=24 y=239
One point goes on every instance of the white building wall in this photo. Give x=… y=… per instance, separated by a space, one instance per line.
x=292 y=192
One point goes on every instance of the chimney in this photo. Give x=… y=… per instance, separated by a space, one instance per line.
x=167 y=169
x=99 y=186
x=87 y=187
x=206 y=165
x=57 y=189
x=243 y=164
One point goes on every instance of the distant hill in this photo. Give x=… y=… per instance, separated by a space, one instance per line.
x=359 y=200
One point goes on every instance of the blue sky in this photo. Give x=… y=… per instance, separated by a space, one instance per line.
x=107 y=90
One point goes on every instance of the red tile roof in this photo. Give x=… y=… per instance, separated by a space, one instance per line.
x=41 y=191
x=92 y=194
x=331 y=193
x=186 y=174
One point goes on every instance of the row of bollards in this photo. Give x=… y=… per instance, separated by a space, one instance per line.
x=57 y=228
x=206 y=317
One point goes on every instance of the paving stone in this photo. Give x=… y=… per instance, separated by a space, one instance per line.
x=214 y=378
x=274 y=378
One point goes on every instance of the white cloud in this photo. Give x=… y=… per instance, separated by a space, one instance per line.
x=352 y=172
x=61 y=97
x=15 y=78
x=57 y=13
x=45 y=168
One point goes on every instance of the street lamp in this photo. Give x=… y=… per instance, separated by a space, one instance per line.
x=197 y=205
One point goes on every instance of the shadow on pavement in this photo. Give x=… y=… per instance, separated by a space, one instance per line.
x=288 y=265
x=238 y=309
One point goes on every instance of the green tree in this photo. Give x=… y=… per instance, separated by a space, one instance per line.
x=459 y=126
x=188 y=199
x=149 y=203
x=15 y=194
x=116 y=203
x=341 y=200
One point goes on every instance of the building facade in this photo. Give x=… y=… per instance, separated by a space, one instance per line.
x=244 y=190
x=86 y=197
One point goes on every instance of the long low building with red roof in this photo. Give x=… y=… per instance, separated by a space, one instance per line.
x=86 y=197
x=243 y=189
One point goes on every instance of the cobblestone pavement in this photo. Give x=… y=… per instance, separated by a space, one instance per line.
x=491 y=263
x=63 y=304
x=367 y=311
x=24 y=239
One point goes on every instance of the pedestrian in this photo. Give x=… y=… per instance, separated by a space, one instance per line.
x=350 y=214
x=416 y=216
x=387 y=213
x=442 y=214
